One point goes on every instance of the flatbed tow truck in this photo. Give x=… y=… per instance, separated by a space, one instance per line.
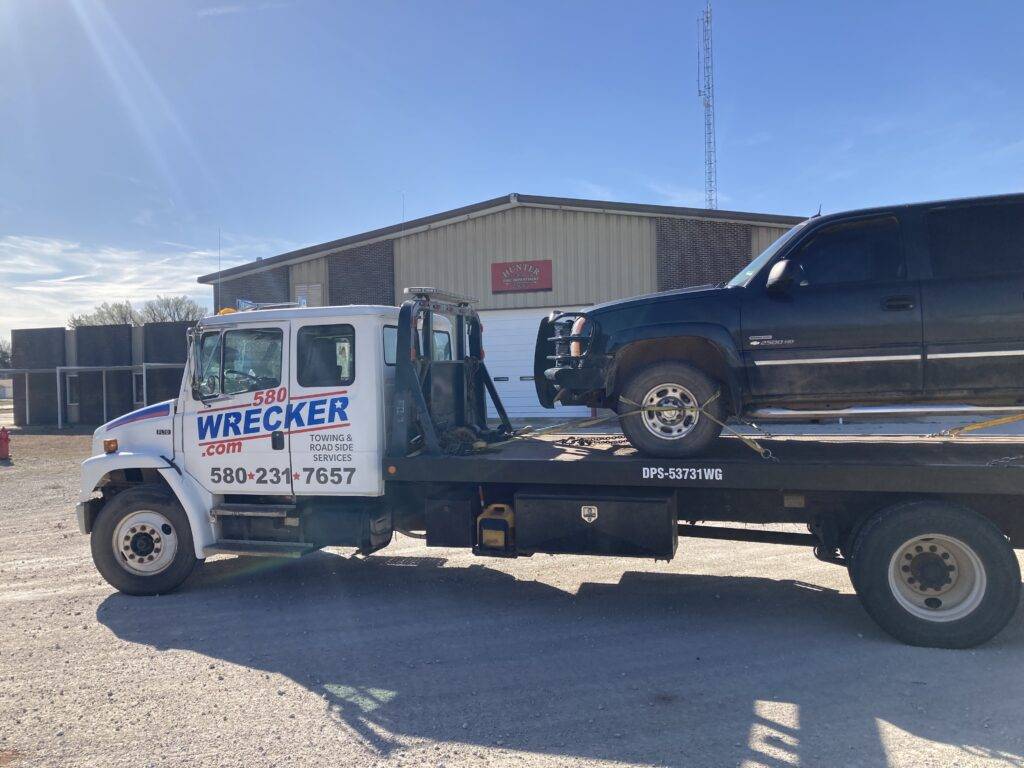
x=297 y=429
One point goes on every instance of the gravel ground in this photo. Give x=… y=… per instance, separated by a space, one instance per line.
x=733 y=654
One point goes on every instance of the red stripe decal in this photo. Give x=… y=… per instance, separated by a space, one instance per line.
x=319 y=394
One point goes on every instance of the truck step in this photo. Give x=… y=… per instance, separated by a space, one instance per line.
x=259 y=548
x=253 y=510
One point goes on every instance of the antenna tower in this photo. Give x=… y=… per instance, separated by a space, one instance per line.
x=706 y=93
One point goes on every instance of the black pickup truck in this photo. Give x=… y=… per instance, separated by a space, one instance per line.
x=897 y=306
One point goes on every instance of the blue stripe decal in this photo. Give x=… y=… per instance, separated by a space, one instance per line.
x=151 y=412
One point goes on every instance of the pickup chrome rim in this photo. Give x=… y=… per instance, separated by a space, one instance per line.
x=937 y=578
x=145 y=542
x=670 y=411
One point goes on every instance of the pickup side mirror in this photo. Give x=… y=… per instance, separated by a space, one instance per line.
x=783 y=276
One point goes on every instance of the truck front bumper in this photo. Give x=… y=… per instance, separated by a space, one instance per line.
x=85 y=514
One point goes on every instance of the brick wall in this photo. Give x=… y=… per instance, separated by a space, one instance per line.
x=700 y=251
x=267 y=287
x=363 y=275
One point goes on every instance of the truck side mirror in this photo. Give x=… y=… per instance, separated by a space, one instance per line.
x=782 y=277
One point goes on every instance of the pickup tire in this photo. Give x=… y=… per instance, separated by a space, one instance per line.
x=935 y=574
x=142 y=543
x=676 y=432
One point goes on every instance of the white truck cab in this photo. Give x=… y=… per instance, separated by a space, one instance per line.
x=276 y=405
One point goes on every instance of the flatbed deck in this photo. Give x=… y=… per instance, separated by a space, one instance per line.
x=866 y=464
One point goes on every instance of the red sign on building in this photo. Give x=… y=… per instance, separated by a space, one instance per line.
x=521 y=276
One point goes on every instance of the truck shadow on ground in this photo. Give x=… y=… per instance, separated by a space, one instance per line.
x=665 y=669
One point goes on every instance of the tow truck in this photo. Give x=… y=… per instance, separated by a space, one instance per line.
x=297 y=429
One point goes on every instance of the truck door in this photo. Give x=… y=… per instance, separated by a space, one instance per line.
x=234 y=423
x=974 y=301
x=849 y=326
x=337 y=411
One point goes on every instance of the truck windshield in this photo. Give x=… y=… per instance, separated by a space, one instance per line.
x=745 y=275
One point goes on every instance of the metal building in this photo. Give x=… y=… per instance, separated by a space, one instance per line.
x=521 y=256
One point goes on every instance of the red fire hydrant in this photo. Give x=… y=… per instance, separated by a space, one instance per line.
x=5 y=445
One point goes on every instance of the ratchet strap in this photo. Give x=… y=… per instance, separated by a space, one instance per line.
x=973 y=427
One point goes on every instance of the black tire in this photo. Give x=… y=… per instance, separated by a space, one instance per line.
x=978 y=617
x=112 y=564
x=643 y=382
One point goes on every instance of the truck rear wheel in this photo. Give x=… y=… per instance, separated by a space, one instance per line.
x=671 y=424
x=142 y=542
x=935 y=574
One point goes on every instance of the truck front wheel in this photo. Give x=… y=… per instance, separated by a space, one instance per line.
x=660 y=410
x=142 y=543
x=935 y=574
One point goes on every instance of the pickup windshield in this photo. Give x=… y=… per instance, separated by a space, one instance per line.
x=745 y=275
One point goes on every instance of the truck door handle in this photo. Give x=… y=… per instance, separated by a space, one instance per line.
x=277 y=440
x=898 y=303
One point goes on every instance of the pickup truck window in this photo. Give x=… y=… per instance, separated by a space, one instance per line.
x=442 y=345
x=326 y=355
x=977 y=240
x=251 y=360
x=860 y=251
x=746 y=274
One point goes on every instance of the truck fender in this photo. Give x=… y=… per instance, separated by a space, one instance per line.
x=194 y=499
x=716 y=336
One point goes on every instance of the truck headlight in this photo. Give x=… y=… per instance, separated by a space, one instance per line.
x=576 y=347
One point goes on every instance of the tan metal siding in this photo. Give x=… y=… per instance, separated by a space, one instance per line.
x=762 y=237
x=307 y=272
x=595 y=256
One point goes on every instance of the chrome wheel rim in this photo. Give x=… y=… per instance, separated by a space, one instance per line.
x=145 y=542
x=670 y=411
x=937 y=578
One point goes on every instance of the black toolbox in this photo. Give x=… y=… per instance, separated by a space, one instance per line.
x=604 y=524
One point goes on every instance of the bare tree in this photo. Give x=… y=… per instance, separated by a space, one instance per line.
x=159 y=310
x=164 y=309
x=5 y=353
x=117 y=313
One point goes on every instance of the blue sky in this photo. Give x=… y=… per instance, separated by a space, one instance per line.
x=131 y=132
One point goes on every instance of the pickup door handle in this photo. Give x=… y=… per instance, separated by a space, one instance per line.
x=277 y=440
x=898 y=303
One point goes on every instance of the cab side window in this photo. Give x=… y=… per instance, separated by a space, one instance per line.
x=850 y=252
x=326 y=355
x=977 y=240
x=208 y=378
x=251 y=360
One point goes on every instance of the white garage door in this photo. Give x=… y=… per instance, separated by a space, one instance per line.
x=509 y=338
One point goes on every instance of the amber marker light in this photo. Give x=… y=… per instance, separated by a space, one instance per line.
x=110 y=446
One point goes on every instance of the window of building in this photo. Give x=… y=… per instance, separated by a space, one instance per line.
x=326 y=355
x=251 y=360
x=861 y=251
x=138 y=388
x=72 y=388
x=309 y=294
x=977 y=240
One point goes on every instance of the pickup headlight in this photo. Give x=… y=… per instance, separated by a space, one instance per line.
x=576 y=347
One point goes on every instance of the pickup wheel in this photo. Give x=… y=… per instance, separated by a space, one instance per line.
x=142 y=542
x=673 y=426
x=935 y=574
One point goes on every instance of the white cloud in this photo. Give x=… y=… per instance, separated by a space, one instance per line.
x=685 y=197
x=43 y=280
x=592 y=190
x=220 y=10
